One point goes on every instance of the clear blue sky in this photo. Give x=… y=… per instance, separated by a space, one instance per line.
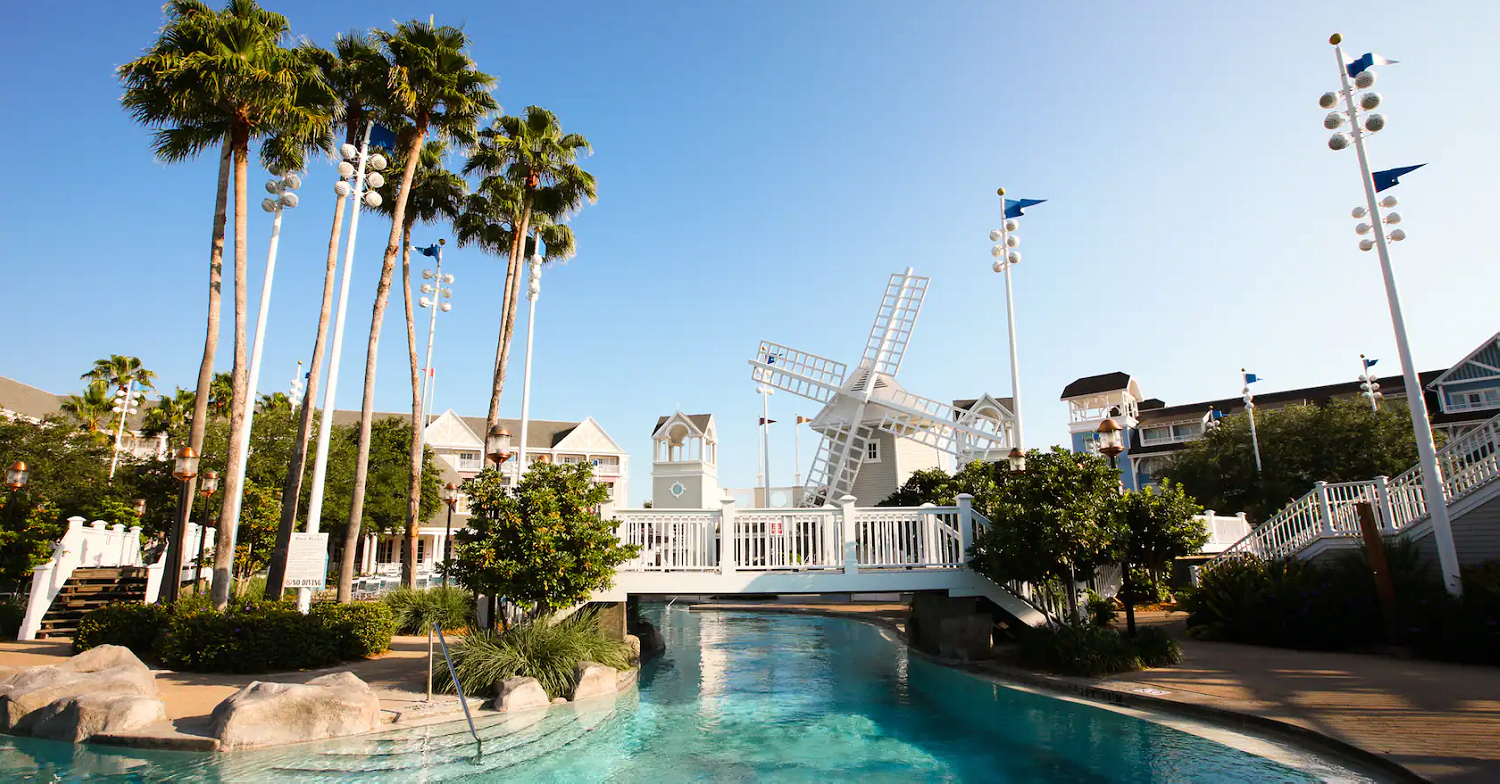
x=764 y=166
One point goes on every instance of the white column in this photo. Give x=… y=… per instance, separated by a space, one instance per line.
x=1383 y=504
x=1325 y=511
x=851 y=542
x=965 y=522
x=726 y=536
x=534 y=288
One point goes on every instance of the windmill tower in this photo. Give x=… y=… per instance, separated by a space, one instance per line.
x=859 y=405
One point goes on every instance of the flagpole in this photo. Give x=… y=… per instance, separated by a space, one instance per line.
x=765 y=418
x=796 y=452
x=1434 y=492
x=1250 y=409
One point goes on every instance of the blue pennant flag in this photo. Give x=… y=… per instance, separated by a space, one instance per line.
x=1389 y=177
x=1251 y=378
x=431 y=250
x=1369 y=363
x=1013 y=207
x=1364 y=61
x=381 y=136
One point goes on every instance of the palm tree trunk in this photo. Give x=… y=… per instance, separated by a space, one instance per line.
x=493 y=417
x=240 y=396
x=367 y=410
x=414 y=491
x=291 y=489
x=205 y=368
x=513 y=295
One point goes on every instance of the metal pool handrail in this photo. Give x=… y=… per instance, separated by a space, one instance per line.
x=458 y=687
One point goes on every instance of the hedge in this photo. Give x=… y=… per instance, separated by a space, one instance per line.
x=1096 y=651
x=250 y=636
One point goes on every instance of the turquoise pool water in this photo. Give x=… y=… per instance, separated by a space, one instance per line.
x=749 y=697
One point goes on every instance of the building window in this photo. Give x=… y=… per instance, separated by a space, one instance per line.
x=421 y=549
x=1187 y=432
x=872 y=452
x=570 y=459
x=1479 y=398
x=468 y=461
x=385 y=551
x=462 y=506
x=1156 y=435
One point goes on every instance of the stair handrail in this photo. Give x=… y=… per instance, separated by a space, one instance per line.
x=458 y=687
x=1021 y=590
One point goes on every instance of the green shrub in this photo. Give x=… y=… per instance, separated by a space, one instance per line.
x=132 y=625
x=12 y=612
x=1095 y=651
x=415 y=611
x=249 y=638
x=358 y=631
x=535 y=649
x=1101 y=610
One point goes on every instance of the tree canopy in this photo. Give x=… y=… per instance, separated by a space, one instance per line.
x=1343 y=441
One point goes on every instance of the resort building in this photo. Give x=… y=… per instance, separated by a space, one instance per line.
x=29 y=404
x=1458 y=399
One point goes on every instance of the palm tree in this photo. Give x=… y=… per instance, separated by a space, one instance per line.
x=170 y=413
x=436 y=193
x=435 y=88
x=220 y=396
x=356 y=71
x=532 y=153
x=92 y=408
x=121 y=371
x=276 y=401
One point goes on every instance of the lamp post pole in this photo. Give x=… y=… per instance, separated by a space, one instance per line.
x=1249 y=398
x=438 y=293
x=534 y=288
x=1432 y=478
x=325 y=423
x=185 y=470
x=450 y=497
x=1112 y=444
x=207 y=488
x=125 y=404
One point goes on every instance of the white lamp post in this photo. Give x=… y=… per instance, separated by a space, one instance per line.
x=435 y=294
x=127 y=402
x=298 y=387
x=282 y=198
x=356 y=160
x=1359 y=126
x=1006 y=256
x=534 y=288
x=1249 y=398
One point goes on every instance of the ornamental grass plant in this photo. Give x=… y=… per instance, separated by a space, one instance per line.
x=415 y=611
x=534 y=649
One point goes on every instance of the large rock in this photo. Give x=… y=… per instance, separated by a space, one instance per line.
x=108 y=670
x=593 y=680
x=269 y=714
x=518 y=694
x=76 y=719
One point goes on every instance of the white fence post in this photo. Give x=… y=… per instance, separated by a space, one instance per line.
x=965 y=525
x=1325 y=526
x=1213 y=530
x=851 y=545
x=1384 y=508
x=726 y=536
x=928 y=522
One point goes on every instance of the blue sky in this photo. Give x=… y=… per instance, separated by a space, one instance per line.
x=763 y=168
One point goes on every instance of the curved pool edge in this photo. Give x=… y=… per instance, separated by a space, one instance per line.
x=1095 y=691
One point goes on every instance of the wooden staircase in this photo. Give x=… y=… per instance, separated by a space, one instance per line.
x=88 y=589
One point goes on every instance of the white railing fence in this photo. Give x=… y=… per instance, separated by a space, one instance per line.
x=1329 y=510
x=792 y=539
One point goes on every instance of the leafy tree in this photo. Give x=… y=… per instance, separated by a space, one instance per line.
x=384 y=510
x=1343 y=441
x=541 y=544
x=531 y=154
x=434 y=88
x=1051 y=525
x=28 y=529
x=170 y=414
x=276 y=401
x=356 y=72
x=935 y=486
x=1156 y=526
x=69 y=470
x=91 y=409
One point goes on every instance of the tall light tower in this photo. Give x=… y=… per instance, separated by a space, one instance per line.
x=435 y=296
x=1369 y=388
x=1006 y=257
x=1359 y=113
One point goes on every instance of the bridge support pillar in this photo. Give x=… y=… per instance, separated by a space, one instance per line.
x=851 y=542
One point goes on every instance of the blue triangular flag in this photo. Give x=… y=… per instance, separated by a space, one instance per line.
x=431 y=250
x=1369 y=363
x=1013 y=207
x=1389 y=177
x=1251 y=378
x=381 y=136
x=1364 y=61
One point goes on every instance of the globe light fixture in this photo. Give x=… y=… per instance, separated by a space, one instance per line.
x=450 y=494
x=17 y=476
x=185 y=466
x=209 y=484
x=497 y=445
x=1111 y=438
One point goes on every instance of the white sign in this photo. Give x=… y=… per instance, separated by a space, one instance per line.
x=307 y=561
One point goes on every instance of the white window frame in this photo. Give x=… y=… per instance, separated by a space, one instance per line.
x=466 y=463
x=872 y=452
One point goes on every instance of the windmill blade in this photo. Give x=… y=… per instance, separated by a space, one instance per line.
x=894 y=321
x=798 y=372
x=933 y=423
x=832 y=473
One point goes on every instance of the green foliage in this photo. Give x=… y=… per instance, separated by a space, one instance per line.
x=1334 y=606
x=28 y=530
x=1156 y=526
x=389 y=477
x=1095 y=651
x=1343 y=441
x=541 y=544
x=132 y=625
x=1101 y=610
x=356 y=631
x=12 y=612
x=415 y=611
x=535 y=649
x=1050 y=523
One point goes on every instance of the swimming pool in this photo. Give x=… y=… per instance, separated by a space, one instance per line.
x=745 y=696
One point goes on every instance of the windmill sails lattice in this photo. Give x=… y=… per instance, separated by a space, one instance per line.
x=857 y=405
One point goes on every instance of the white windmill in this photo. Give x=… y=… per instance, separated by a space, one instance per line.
x=857 y=405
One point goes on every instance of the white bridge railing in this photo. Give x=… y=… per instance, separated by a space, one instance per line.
x=840 y=537
x=1328 y=510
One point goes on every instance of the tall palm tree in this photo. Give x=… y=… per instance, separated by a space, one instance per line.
x=92 y=408
x=121 y=371
x=276 y=401
x=434 y=88
x=356 y=71
x=220 y=396
x=169 y=414
x=532 y=153
x=436 y=193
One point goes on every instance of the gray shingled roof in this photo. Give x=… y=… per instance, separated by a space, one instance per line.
x=699 y=421
x=1091 y=385
x=540 y=433
x=27 y=400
